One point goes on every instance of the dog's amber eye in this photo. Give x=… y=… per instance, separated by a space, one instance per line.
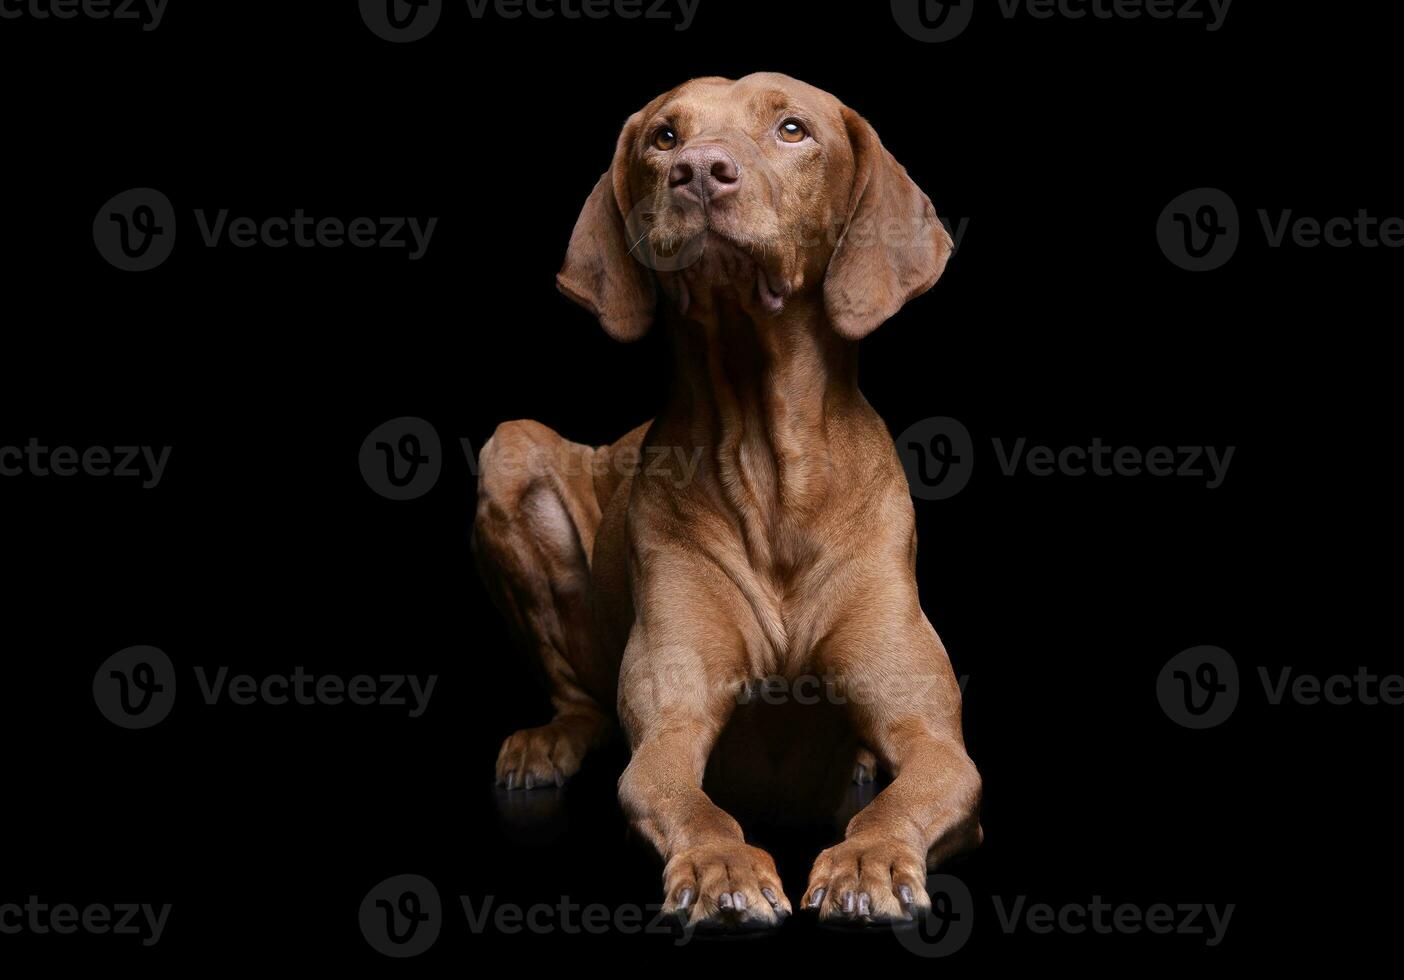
x=665 y=138
x=793 y=131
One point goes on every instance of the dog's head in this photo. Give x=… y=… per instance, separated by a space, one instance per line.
x=760 y=191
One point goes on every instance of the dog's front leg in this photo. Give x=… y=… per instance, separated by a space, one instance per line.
x=674 y=699
x=905 y=704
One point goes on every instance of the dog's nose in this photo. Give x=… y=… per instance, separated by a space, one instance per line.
x=706 y=172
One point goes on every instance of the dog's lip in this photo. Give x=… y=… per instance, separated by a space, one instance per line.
x=768 y=281
x=771 y=298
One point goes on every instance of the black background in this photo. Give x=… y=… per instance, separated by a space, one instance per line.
x=1059 y=320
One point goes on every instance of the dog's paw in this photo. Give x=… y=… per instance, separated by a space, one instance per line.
x=724 y=886
x=868 y=879
x=540 y=757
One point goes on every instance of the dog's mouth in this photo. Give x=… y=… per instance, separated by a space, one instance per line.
x=724 y=262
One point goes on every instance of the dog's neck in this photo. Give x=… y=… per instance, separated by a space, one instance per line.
x=759 y=398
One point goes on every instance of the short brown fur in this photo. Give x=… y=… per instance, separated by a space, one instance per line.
x=760 y=526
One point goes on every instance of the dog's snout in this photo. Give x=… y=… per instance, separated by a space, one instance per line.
x=706 y=172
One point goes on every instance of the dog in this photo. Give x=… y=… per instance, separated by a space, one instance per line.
x=759 y=531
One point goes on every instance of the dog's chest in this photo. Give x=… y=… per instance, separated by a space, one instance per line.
x=788 y=587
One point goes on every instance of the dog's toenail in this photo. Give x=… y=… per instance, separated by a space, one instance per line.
x=816 y=898
x=530 y=782
x=685 y=899
x=739 y=899
x=725 y=900
x=770 y=897
x=847 y=900
x=865 y=904
x=906 y=893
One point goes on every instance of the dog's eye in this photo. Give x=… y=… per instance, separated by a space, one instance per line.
x=665 y=138
x=793 y=131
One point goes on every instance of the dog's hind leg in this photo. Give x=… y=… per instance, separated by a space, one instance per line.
x=535 y=528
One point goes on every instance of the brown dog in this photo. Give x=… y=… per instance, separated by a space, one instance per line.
x=759 y=528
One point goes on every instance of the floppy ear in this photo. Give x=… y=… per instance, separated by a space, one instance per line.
x=599 y=273
x=893 y=248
